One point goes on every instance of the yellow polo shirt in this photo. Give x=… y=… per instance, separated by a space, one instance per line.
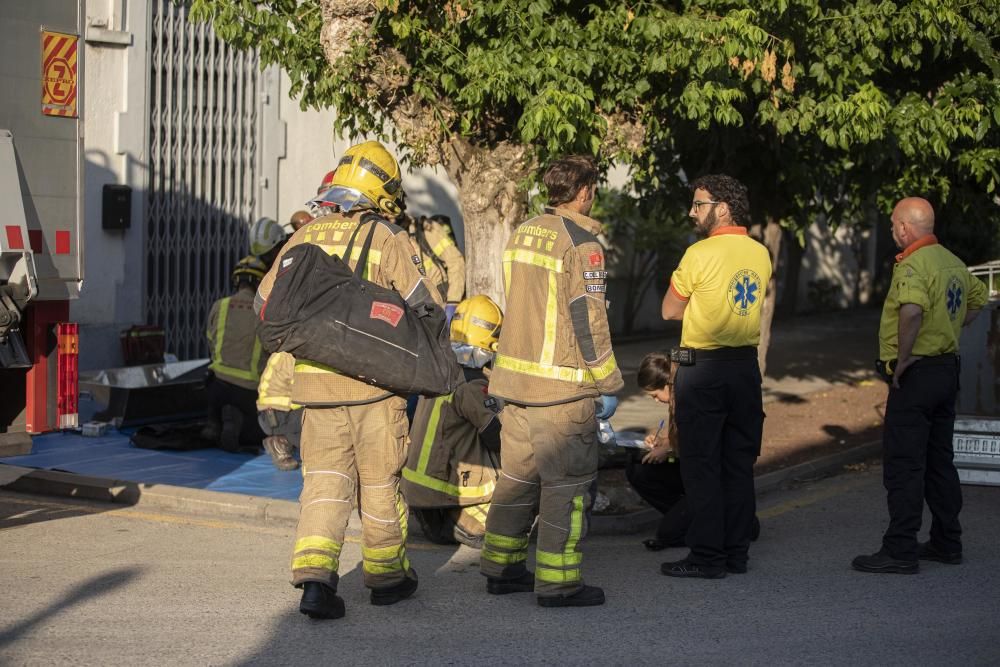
x=723 y=278
x=929 y=275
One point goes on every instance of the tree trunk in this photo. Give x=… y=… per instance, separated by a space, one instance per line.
x=487 y=182
x=772 y=240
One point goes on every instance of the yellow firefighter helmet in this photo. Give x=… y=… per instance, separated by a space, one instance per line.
x=477 y=322
x=367 y=175
x=250 y=269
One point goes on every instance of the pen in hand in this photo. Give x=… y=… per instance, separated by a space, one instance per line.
x=657 y=434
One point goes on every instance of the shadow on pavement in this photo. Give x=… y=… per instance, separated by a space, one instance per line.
x=95 y=587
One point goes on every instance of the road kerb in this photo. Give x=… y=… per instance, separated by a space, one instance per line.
x=218 y=504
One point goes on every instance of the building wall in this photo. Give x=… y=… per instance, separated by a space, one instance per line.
x=311 y=149
x=114 y=118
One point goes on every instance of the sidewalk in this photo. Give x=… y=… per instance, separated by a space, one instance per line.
x=825 y=358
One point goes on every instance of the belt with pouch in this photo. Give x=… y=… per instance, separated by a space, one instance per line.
x=689 y=356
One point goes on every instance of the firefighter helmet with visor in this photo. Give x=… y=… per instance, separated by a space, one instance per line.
x=475 y=329
x=264 y=236
x=366 y=176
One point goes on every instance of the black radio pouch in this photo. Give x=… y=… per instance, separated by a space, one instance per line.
x=683 y=356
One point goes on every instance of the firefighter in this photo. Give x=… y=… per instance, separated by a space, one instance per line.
x=553 y=359
x=442 y=260
x=237 y=362
x=451 y=468
x=354 y=434
x=278 y=416
x=266 y=240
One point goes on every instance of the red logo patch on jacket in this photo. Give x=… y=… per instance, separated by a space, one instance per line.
x=596 y=258
x=387 y=312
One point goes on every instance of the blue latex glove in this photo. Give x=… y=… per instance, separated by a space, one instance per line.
x=606 y=406
x=449 y=312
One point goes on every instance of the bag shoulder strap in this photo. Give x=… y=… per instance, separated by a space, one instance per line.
x=366 y=248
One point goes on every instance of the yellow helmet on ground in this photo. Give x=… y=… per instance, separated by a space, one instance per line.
x=367 y=175
x=477 y=322
x=250 y=269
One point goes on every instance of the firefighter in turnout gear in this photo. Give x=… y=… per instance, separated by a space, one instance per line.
x=266 y=239
x=354 y=434
x=553 y=360
x=237 y=362
x=451 y=468
x=442 y=260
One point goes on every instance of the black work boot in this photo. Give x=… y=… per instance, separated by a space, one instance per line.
x=688 y=570
x=588 y=596
x=232 y=424
x=523 y=584
x=396 y=592
x=882 y=562
x=928 y=551
x=320 y=601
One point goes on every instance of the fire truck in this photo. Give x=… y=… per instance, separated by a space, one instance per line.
x=41 y=217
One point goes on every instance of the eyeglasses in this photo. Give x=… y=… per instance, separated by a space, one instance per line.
x=698 y=204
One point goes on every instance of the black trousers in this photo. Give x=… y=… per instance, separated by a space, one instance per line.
x=918 y=457
x=720 y=420
x=220 y=394
x=660 y=485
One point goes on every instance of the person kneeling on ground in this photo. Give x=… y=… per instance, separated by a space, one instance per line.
x=656 y=477
x=454 y=457
x=237 y=362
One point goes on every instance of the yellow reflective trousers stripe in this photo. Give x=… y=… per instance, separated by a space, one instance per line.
x=330 y=560
x=552 y=567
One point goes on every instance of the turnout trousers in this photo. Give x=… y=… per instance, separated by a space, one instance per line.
x=352 y=454
x=720 y=421
x=918 y=458
x=549 y=465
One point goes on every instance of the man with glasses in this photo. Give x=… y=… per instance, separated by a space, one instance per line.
x=717 y=291
x=932 y=296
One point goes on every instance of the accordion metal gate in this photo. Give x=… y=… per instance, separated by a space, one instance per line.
x=204 y=133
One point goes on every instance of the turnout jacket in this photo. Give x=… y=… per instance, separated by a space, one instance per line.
x=448 y=272
x=237 y=356
x=555 y=346
x=390 y=264
x=454 y=442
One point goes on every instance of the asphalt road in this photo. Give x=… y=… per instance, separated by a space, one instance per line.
x=93 y=584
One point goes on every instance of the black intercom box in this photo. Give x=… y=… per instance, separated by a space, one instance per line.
x=116 y=207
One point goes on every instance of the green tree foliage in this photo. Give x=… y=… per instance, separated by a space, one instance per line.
x=822 y=107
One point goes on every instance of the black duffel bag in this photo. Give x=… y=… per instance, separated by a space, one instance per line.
x=322 y=311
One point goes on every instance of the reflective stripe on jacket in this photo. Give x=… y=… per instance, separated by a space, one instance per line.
x=274 y=392
x=237 y=356
x=446 y=464
x=555 y=345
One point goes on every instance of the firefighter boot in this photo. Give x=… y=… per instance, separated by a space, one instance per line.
x=232 y=423
x=397 y=592
x=522 y=584
x=588 y=596
x=320 y=601
x=280 y=450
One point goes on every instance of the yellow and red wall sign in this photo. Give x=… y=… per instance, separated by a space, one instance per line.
x=59 y=82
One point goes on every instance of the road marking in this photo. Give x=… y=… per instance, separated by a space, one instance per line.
x=836 y=487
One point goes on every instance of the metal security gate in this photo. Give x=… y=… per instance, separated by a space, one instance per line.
x=203 y=163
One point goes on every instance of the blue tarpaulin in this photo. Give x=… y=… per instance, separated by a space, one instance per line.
x=113 y=456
